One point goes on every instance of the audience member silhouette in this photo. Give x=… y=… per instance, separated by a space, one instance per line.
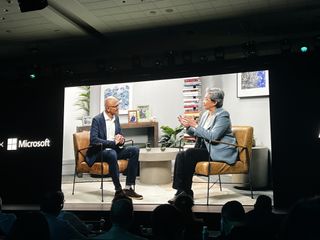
x=192 y=225
x=261 y=220
x=233 y=222
x=303 y=220
x=167 y=223
x=121 y=216
x=76 y=222
x=30 y=225
x=51 y=205
x=6 y=221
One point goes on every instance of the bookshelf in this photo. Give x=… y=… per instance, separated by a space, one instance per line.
x=191 y=102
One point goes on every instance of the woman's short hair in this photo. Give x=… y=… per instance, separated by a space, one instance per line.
x=216 y=95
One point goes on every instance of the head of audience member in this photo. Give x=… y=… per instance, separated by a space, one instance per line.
x=52 y=202
x=302 y=220
x=167 y=222
x=121 y=195
x=30 y=225
x=0 y=204
x=232 y=215
x=184 y=203
x=121 y=213
x=263 y=204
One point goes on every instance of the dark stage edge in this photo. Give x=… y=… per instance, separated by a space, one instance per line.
x=97 y=207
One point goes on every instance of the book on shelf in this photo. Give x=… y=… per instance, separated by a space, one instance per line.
x=191 y=94
x=196 y=79
x=191 y=106
x=191 y=100
x=191 y=90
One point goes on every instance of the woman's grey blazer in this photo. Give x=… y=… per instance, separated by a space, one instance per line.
x=220 y=130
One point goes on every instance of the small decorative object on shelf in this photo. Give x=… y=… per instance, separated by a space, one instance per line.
x=144 y=114
x=148 y=147
x=163 y=147
x=132 y=116
x=86 y=120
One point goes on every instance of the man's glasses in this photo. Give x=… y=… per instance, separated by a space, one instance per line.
x=116 y=106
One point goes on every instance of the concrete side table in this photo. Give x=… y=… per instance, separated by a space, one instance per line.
x=155 y=165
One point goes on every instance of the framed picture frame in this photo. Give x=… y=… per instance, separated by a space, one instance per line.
x=86 y=120
x=253 y=84
x=122 y=91
x=143 y=113
x=132 y=116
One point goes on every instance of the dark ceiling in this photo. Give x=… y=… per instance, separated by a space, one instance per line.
x=73 y=29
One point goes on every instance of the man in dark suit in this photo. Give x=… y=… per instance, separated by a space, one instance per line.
x=106 y=134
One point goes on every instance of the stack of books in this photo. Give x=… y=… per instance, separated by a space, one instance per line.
x=192 y=104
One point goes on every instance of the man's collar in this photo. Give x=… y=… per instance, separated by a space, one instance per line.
x=107 y=118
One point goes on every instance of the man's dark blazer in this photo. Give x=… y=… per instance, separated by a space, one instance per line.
x=98 y=136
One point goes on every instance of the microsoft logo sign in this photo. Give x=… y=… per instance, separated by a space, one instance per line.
x=14 y=144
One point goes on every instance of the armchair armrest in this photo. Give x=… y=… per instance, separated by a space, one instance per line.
x=230 y=144
x=129 y=140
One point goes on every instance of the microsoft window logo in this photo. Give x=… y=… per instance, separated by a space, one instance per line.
x=12 y=144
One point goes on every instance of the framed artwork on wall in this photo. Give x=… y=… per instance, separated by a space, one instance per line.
x=253 y=84
x=121 y=91
x=86 y=120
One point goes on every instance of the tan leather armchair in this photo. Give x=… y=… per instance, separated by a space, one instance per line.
x=81 y=141
x=244 y=137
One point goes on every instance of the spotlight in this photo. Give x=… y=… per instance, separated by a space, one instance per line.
x=32 y=76
x=158 y=63
x=136 y=61
x=187 y=57
x=204 y=58
x=34 y=71
x=171 y=58
x=285 y=46
x=317 y=42
x=219 y=53
x=249 y=49
x=304 y=49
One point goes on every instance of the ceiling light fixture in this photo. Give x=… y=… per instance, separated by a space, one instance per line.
x=249 y=49
x=285 y=46
x=304 y=49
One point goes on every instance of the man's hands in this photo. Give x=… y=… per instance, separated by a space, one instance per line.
x=187 y=121
x=119 y=139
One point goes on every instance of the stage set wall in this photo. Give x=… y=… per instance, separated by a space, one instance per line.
x=35 y=110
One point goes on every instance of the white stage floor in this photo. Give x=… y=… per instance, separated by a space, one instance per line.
x=89 y=192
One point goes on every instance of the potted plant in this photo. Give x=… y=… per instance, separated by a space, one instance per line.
x=83 y=102
x=171 y=137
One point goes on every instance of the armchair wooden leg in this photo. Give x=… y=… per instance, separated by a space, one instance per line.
x=74 y=180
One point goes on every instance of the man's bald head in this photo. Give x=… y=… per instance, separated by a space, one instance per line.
x=111 y=105
x=111 y=101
